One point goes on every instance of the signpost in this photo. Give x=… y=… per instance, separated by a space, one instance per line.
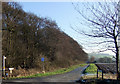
x=42 y=59
x=4 y=65
x=11 y=69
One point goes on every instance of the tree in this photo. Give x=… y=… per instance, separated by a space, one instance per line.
x=92 y=59
x=105 y=60
x=26 y=38
x=102 y=19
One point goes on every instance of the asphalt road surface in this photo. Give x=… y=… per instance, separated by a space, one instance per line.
x=67 y=77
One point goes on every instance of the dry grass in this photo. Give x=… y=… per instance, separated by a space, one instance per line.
x=110 y=76
x=88 y=77
x=105 y=76
x=23 y=72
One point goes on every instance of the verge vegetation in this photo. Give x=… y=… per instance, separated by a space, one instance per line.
x=92 y=69
x=60 y=71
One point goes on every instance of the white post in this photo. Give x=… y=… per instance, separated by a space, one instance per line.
x=4 y=65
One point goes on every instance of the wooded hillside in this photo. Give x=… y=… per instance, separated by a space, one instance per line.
x=27 y=38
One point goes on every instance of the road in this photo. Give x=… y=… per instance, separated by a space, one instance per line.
x=67 y=77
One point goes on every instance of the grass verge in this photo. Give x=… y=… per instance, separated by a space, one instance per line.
x=92 y=69
x=60 y=71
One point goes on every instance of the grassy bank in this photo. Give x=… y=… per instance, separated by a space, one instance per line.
x=92 y=68
x=60 y=71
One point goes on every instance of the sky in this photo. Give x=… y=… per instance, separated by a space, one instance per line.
x=61 y=12
x=65 y=16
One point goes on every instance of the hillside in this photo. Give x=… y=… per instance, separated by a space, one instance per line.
x=27 y=38
x=99 y=55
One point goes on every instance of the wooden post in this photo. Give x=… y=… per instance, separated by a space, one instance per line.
x=102 y=74
x=97 y=73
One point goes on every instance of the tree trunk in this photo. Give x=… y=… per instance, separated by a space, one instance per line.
x=117 y=66
x=117 y=59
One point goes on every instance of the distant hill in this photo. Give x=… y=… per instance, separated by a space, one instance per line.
x=99 y=55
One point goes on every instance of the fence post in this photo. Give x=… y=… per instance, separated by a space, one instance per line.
x=102 y=74
x=97 y=73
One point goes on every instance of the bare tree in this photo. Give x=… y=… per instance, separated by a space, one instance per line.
x=102 y=21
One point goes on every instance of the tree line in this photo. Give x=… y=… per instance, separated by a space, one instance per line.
x=26 y=38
